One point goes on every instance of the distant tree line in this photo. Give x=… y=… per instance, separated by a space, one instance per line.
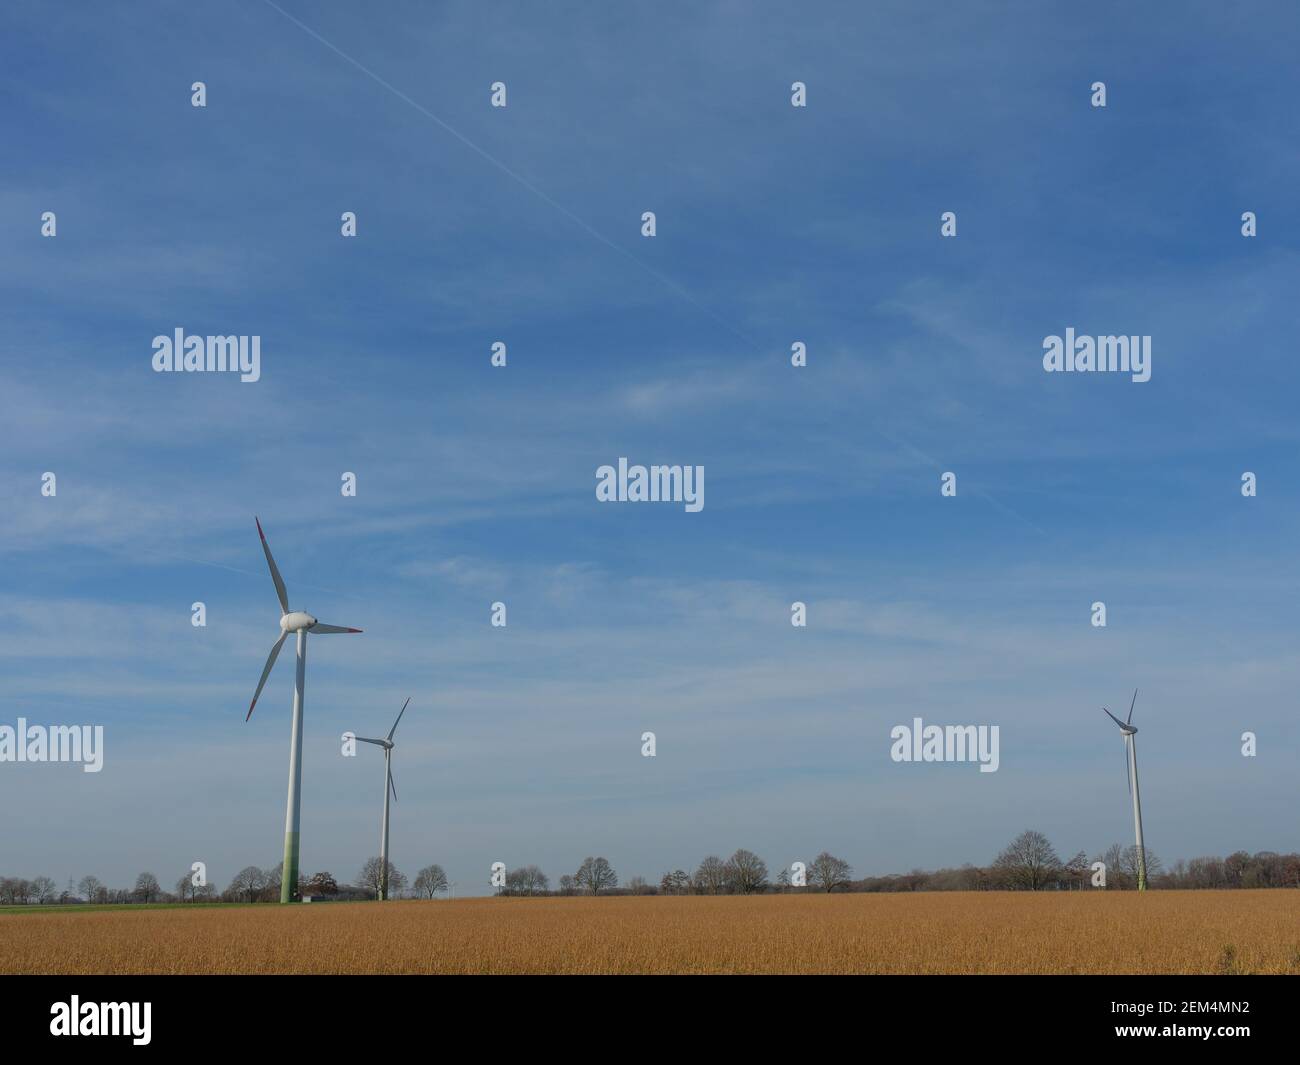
x=1027 y=863
x=1031 y=863
x=250 y=884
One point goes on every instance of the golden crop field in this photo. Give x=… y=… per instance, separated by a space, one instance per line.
x=1058 y=932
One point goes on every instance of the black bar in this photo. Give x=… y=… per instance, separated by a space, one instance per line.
x=256 y=1014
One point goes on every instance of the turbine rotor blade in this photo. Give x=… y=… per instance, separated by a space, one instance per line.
x=324 y=630
x=399 y=718
x=270 y=661
x=367 y=739
x=275 y=572
x=1130 y=706
x=1112 y=717
x=392 y=785
x=1128 y=765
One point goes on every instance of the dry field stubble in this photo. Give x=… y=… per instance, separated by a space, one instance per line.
x=1084 y=932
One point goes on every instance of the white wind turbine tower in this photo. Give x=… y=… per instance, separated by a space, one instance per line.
x=299 y=622
x=387 y=745
x=1130 y=730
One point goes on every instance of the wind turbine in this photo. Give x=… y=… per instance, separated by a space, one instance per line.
x=387 y=745
x=1130 y=730
x=300 y=622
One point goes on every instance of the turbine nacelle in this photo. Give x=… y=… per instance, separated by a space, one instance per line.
x=1126 y=727
x=1128 y=730
x=297 y=620
x=387 y=744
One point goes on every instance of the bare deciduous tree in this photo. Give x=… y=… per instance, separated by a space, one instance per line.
x=147 y=888
x=370 y=878
x=711 y=877
x=678 y=882
x=535 y=881
x=1128 y=862
x=1077 y=871
x=595 y=875
x=15 y=890
x=827 y=872
x=746 y=873
x=430 y=880
x=1029 y=862
x=44 y=890
x=249 y=883
x=1112 y=859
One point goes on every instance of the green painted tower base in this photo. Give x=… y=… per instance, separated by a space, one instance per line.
x=289 y=874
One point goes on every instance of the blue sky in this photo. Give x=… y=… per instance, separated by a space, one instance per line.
x=476 y=484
